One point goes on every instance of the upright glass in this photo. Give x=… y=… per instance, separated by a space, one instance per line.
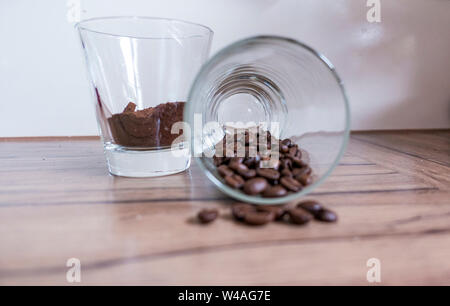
x=141 y=70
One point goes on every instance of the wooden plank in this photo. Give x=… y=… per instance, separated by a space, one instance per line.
x=57 y=201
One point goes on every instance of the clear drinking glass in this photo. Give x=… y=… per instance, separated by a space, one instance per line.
x=277 y=81
x=150 y=62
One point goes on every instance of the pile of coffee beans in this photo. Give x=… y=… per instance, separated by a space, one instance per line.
x=249 y=214
x=256 y=172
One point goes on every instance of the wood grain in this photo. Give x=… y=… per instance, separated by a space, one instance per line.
x=57 y=201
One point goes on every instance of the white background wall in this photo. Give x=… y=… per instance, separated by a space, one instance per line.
x=397 y=72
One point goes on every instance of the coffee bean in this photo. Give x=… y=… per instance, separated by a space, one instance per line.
x=326 y=215
x=240 y=209
x=290 y=183
x=237 y=160
x=235 y=163
x=304 y=179
x=255 y=185
x=286 y=172
x=258 y=217
x=274 y=192
x=293 y=151
x=224 y=171
x=311 y=206
x=217 y=161
x=207 y=215
x=299 y=216
x=278 y=210
x=234 y=181
x=286 y=141
x=251 y=161
x=268 y=173
x=284 y=148
x=238 y=167
x=286 y=163
x=247 y=174
x=301 y=171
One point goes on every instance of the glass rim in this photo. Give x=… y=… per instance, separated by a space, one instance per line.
x=237 y=194
x=81 y=26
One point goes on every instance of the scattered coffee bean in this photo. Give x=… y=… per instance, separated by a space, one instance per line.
x=240 y=209
x=286 y=172
x=286 y=163
x=293 y=151
x=278 y=210
x=304 y=179
x=311 y=206
x=207 y=215
x=235 y=181
x=255 y=185
x=290 y=183
x=248 y=173
x=224 y=170
x=268 y=173
x=286 y=142
x=260 y=169
x=258 y=217
x=299 y=216
x=274 y=192
x=301 y=171
x=217 y=161
x=326 y=215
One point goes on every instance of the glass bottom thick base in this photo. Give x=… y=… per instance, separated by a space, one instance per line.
x=146 y=163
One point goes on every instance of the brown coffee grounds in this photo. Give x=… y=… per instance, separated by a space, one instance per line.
x=150 y=127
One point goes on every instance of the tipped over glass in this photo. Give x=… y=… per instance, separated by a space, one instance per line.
x=275 y=82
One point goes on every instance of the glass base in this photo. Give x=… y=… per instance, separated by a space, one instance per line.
x=146 y=163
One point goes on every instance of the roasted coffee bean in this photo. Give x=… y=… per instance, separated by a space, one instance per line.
x=311 y=206
x=299 y=216
x=286 y=141
x=284 y=148
x=255 y=185
x=326 y=215
x=290 y=183
x=301 y=171
x=274 y=192
x=285 y=163
x=286 y=172
x=278 y=210
x=240 y=209
x=293 y=151
x=207 y=215
x=250 y=161
x=235 y=181
x=224 y=170
x=247 y=174
x=304 y=179
x=268 y=173
x=298 y=162
x=237 y=160
x=217 y=161
x=258 y=217
x=238 y=167
x=234 y=165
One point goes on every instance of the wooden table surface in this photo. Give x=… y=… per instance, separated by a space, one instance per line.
x=57 y=201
